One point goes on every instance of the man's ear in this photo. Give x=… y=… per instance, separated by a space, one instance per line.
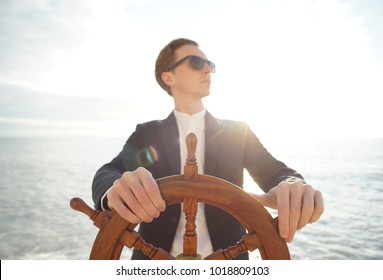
x=167 y=78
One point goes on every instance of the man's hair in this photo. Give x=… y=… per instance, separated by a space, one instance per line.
x=166 y=58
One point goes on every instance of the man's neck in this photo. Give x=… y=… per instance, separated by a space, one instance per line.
x=189 y=108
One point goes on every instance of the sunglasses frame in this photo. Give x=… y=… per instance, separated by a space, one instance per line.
x=193 y=62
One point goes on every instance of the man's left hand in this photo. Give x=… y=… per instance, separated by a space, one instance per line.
x=297 y=203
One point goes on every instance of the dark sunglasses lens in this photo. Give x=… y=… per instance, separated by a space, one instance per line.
x=197 y=62
x=212 y=66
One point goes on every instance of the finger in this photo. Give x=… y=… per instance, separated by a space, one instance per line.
x=121 y=208
x=152 y=190
x=123 y=192
x=283 y=204
x=307 y=207
x=148 y=193
x=295 y=211
x=136 y=199
x=318 y=207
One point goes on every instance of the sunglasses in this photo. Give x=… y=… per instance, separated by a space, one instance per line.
x=196 y=62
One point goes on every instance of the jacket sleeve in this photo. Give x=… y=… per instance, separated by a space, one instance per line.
x=265 y=170
x=110 y=172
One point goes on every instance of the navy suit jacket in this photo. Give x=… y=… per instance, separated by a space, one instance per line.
x=230 y=147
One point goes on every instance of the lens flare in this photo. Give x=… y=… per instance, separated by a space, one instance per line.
x=146 y=156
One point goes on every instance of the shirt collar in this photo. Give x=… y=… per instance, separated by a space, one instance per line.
x=183 y=117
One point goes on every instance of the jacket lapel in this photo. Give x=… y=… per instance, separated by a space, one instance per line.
x=213 y=140
x=170 y=138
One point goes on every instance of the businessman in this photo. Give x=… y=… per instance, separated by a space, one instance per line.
x=225 y=148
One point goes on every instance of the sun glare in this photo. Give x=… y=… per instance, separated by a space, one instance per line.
x=310 y=70
x=280 y=66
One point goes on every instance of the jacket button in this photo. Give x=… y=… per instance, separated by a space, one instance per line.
x=174 y=220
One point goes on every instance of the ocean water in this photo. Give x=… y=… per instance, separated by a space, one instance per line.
x=39 y=176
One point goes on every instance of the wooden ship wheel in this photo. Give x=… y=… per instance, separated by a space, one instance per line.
x=190 y=189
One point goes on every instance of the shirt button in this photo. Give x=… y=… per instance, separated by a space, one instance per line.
x=174 y=220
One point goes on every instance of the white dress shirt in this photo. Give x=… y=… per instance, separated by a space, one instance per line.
x=196 y=124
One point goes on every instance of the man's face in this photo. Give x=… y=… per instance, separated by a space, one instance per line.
x=188 y=81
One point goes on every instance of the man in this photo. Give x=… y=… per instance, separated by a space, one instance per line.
x=127 y=184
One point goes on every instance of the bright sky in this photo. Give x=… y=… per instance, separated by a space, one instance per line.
x=299 y=67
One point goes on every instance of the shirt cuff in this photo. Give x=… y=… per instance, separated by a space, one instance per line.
x=104 y=201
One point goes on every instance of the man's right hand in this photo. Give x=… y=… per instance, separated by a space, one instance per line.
x=136 y=197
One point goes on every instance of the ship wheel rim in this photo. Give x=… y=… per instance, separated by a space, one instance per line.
x=254 y=217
